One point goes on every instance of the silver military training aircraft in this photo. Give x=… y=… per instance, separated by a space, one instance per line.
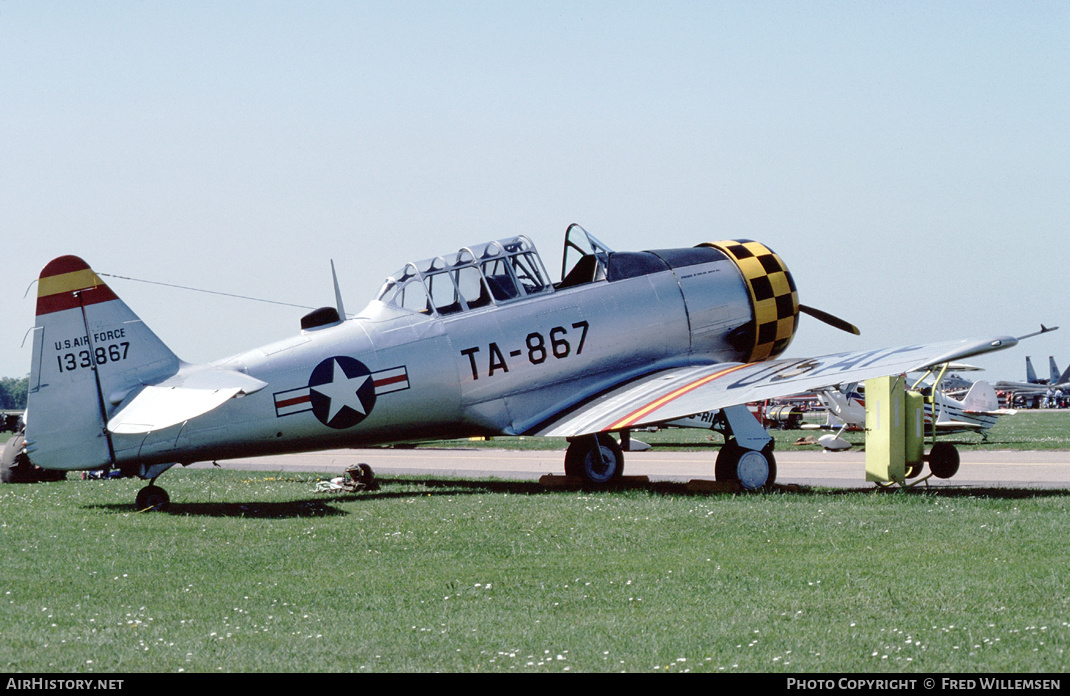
x=474 y=343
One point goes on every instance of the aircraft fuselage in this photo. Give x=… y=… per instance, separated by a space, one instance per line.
x=391 y=375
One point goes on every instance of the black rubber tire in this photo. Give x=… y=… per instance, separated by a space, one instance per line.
x=582 y=460
x=152 y=498
x=724 y=468
x=943 y=460
x=727 y=466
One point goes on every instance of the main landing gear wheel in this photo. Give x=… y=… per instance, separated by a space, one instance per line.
x=152 y=498
x=752 y=469
x=598 y=465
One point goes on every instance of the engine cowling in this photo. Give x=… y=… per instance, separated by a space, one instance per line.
x=773 y=296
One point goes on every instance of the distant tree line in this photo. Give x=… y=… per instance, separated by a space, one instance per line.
x=13 y=392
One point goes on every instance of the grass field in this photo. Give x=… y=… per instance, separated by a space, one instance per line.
x=253 y=572
x=258 y=573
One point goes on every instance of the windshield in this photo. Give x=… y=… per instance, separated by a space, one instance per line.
x=585 y=258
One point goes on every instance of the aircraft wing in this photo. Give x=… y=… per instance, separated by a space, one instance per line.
x=674 y=393
x=180 y=398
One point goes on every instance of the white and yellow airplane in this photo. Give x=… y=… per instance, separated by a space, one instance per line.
x=478 y=342
x=977 y=411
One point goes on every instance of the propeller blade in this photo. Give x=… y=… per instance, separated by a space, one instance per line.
x=830 y=320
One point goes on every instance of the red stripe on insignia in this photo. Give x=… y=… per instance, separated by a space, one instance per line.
x=635 y=415
x=387 y=381
x=294 y=401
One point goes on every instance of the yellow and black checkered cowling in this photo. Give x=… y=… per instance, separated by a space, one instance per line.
x=774 y=298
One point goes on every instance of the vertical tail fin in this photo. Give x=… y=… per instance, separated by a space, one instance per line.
x=1030 y=373
x=981 y=397
x=89 y=351
x=1064 y=377
x=1053 y=370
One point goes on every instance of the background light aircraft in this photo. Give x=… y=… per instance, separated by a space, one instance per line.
x=976 y=412
x=476 y=342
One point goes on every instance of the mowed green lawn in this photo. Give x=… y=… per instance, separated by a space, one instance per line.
x=258 y=573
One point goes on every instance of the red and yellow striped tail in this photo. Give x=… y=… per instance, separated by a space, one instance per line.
x=68 y=283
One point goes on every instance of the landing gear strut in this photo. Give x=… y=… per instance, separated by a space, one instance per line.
x=151 y=497
x=747 y=454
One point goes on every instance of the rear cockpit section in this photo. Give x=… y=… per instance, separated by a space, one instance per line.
x=477 y=276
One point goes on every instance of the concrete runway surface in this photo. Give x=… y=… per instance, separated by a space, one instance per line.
x=1000 y=469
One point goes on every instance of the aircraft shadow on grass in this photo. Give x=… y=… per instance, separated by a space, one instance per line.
x=327 y=504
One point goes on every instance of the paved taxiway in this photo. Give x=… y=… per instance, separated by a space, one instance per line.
x=1003 y=469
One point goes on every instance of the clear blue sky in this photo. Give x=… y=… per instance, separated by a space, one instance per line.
x=910 y=161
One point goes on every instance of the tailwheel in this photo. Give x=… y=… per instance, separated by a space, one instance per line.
x=152 y=498
x=596 y=459
x=752 y=469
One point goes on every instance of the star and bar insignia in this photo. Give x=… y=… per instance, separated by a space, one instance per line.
x=341 y=391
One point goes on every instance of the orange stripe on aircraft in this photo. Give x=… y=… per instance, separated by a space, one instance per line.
x=634 y=416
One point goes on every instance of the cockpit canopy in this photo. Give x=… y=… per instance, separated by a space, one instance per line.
x=476 y=276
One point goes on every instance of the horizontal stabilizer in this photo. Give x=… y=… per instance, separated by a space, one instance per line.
x=179 y=399
x=955 y=426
